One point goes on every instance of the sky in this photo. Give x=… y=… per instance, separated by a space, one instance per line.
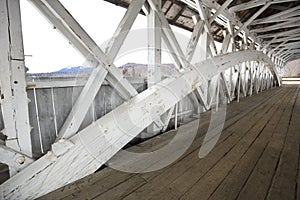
x=47 y=50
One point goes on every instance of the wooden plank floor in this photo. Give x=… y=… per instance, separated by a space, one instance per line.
x=256 y=157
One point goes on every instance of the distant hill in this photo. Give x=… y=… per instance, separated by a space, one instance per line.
x=128 y=70
x=73 y=69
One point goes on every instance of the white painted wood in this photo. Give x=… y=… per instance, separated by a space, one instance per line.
x=220 y=10
x=255 y=3
x=6 y=92
x=176 y=116
x=283 y=33
x=171 y=52
x=154 y=61
x=226 y=43
x=282 y=39
x=202 y=98
x=96 y=79
x=93 y=146
x=248 y=5
x=154 y=4
x=78 y=146
x=122 y=30
x=190 y=51
x=14 y=160
x=82 y=104
x=167 y=117
x=56 y=84
x=286 y=44
x=227 y=90
x=205 y=18
x=212 y=90
x=266 y=46
x=121 y=83
x=214 y=52
x=277 y=47
x=287 y=24
x=288 y=49
x=253 y=17
x=14 y=102
x=289 y=17
x=192 y=45
x=56 y=14
x=218 y=94
x=226 y=13
x=277 y=15
x=154 y=47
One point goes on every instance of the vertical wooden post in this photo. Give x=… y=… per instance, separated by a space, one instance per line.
x=154 y=56
x=14 y=102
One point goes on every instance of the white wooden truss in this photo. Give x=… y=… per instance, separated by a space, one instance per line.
x=236 y=71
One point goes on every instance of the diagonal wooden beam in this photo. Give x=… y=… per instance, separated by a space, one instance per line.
x=253 y=17
x=122 y=30
x=167 y=31
x=287 y=24
x=289 y=17
x=214 y=49
x=295 y=32
x=72 y=30
x=268 y=19
x=82 y=104
x=167 y=41
x=207 y=26
x=247 y=5
x=220 y=10
x=166 y=118
x=96 y=79
x=255 y=3
x=190 y=50
x=281 y=39
x=198 y=30
x=286 y=44
x=277 y=47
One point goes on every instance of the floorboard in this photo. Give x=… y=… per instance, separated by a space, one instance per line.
x=256 y=157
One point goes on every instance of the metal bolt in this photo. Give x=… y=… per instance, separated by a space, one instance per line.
x=20 y=160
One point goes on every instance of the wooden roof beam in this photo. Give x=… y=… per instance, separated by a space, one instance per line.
x=283 y=14
x=254 y=4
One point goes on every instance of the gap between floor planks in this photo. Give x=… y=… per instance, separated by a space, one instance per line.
x=110 y=183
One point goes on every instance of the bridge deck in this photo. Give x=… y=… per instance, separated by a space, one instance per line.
x=257 y=157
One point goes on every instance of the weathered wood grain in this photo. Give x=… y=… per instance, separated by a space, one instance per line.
x=252 y=131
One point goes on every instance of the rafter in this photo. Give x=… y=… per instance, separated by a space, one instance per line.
x=253 y=17
x=287 y=24
x=280 y=34
x=226 y=13
x=255 y=3
x=287 y=43
x=248 y=5
x=282 y=39
x=277 y=16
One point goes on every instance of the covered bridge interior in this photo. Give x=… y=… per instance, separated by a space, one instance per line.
x=215 y=124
